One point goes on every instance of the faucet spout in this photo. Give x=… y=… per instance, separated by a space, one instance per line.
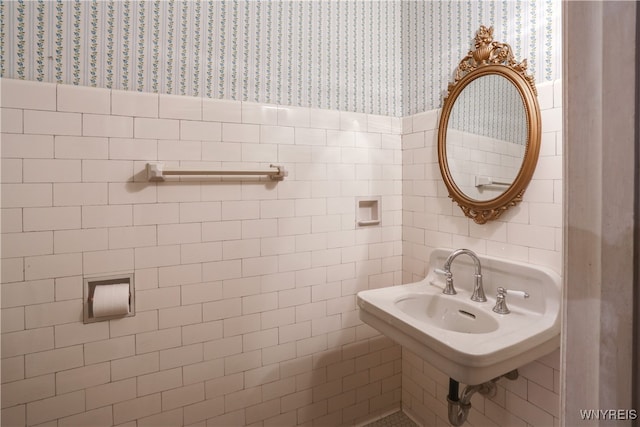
x=478 y=290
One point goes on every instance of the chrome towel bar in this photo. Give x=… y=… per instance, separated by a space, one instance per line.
x=157 y=172
x=483 y=181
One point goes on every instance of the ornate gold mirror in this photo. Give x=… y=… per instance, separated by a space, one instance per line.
x=489 y=132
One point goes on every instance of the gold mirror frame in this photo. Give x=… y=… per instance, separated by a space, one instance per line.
x=492 y=58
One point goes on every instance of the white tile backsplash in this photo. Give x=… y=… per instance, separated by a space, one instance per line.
x=201 y=131
x=180 y=107
x=13 y=367
x=112 y=392
x=52 y=123
x=12 y=270
x=84 y=377
x=221 y=253
x=277 y=135
x=27 y=146
x=106 y=125
x=21 y=294
x=134 y=104
x=245 y=302
x=59 y=406
x=220 y=110
x=57 y=218
x=156 y=128
x=45 y=170
x=136 y=409
x=305 y=136
x=11 y=120
x=353 y=121
x=294 y=116
x=108 y=261
x=82 y=99
x=46 y=362
x=324 y=119
x=77 y=147
x=12 y=320
x=26 y=94
x=259 y=113
x=232 y=132
x=25 y=244
x=106 y=171
x=41 y=315
x=545 y=95
x=557 y=94
x=80 y=194
x=133 y=149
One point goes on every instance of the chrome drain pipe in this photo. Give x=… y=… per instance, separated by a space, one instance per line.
x=459 y=406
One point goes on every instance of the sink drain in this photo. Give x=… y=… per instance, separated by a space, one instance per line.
x=466 y=313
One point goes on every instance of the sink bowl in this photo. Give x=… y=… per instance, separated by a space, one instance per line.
x=465 y=339
x=447 y=313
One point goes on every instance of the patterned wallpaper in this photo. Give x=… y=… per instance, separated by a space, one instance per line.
x=438 y=34
x=382 y=57
x=502 y=115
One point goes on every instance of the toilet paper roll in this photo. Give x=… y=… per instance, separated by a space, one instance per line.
x=111 y=300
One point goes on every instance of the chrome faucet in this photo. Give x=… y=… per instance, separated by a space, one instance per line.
x=478 y=290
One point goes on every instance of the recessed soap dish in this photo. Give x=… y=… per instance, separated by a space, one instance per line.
x=368 y=211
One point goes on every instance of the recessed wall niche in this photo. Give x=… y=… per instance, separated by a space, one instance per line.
x=368 y=211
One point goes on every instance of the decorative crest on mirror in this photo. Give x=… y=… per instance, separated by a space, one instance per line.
x=490 y=52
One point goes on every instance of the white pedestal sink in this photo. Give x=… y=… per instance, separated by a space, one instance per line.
x=466 y=339
x=442 y=311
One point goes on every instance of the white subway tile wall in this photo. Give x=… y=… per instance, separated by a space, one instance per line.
x=245 y=304
x=530 y=232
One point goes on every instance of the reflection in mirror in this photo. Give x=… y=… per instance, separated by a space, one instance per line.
x=486 y=137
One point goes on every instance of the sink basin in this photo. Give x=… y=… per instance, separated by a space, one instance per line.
x=465 y=339
x=447 y=313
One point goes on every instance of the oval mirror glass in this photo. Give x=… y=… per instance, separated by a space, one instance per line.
x=486 y=137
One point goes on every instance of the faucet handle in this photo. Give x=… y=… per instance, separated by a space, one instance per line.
x=448 y=288
x=501 y=302
x=522 y=294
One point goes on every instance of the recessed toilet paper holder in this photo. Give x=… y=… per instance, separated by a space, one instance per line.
x=89 y=288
